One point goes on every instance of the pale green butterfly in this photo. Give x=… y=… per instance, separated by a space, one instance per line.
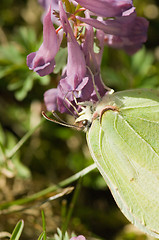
x=123 y=138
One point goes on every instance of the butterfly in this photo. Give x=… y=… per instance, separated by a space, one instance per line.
x=122 y=131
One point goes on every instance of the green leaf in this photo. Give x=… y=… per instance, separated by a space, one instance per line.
x=17 y=230
x=7 y=143
x=22 y=170
x=69 y=6
x=26 y=37
x=59 y=235
x=10 y=54
x=142 y=61
x=44 y=225
x=41 y=237
x=27 y=86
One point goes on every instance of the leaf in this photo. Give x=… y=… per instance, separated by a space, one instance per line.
x=142 y=61
x=44 y=225
x=69 y=6
x=10 y=54
x=17 y=230
x=124 y=143
x=22 y=170
x=8 y=142
x=59 y=236
x=41 y=237
x=26 y=38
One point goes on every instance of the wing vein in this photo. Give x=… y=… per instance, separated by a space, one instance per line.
x=147 y=120
x=134 y=107
x=138 y=135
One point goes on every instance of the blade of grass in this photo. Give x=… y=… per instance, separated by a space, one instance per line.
x=44 y=224
x=71 y=207
x=17 y=230
x=48 y=190
x=41 y=236
x=3 y=153
x=24 y=139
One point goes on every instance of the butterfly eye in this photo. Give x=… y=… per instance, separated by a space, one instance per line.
x=85 y=123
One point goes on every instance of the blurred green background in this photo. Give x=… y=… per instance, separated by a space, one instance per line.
x=54 y=153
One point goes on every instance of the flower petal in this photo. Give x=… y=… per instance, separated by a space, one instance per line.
x=76 y=65
x=42 y=61
x=123 y=32
x=106 y=8
x=80 y=237
x=50 y=99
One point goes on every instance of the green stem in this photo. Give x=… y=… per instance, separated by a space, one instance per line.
x=71 y=207
x=50 y=189
x=44 y=224
x=24 y=139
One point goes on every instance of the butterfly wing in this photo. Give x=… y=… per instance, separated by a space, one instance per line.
x=125 y=147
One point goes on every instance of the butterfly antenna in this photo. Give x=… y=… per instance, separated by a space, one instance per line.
x=57 y=117
x=59 y=122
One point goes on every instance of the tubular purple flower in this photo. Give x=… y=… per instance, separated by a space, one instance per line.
x=106 y=8
x=76 y=65
x=93 y=62
x=127 y=30
x=135 y=33
x=72 y=84
x=54 y=7
x=47 y=3
x=43 y=61
x=123 y=43
x=50 y=99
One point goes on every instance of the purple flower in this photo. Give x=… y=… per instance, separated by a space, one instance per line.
x=127 y=32
x=78 y=81
x=135 y=33
x=122 y=43
x=76 y=66
x=54 y=7
x=43 y=61
x=93 y=62
x=106 y=8
x=80 y=237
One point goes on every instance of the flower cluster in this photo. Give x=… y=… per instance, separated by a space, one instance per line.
x=104 y=22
